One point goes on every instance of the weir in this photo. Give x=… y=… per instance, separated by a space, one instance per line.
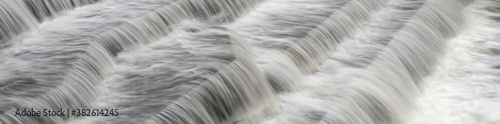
x=360 y=50
x=71 y=30
x=14 y=19
x=314 y=47
x=35 y=72
x=278 y=24
x=229 y=93
x=43 y=9
x=326 y=87
x=315 y=42
x=407 y=59
x=78 y=87
x=463 y=86
x=174 y=74
x=222 y=61
x=22 y=15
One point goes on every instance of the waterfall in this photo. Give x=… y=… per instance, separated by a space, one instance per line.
x=464 y=88
x=394 y=15
x=315 y=46
x=42 y=9
x=88 y=68
x=46 y=57
x=18 y=16
x=15 y=18
x=250 y=61
x=407 y=59
x=232 y=91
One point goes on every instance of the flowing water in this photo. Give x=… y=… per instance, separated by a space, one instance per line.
x=252 y=61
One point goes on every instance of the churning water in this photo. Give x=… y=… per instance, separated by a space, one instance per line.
x=251 y=61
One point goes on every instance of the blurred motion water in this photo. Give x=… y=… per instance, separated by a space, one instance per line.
x=251 y=61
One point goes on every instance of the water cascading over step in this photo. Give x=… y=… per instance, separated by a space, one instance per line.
x=320 y=35
x=222 y=61
x=372 y=103
x=18 y=16
x=350 y=54
x=275 y=25
x=55 y=53
x=15 y=18
x=174 y=73
x=43 y=9
x=314 y=47
x=381 y=92
x=463 y=88
x=408 y=58
x=98 y=51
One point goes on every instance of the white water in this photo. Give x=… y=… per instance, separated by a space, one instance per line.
x=19 y=16
x=252 y=61
x=463 y=88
